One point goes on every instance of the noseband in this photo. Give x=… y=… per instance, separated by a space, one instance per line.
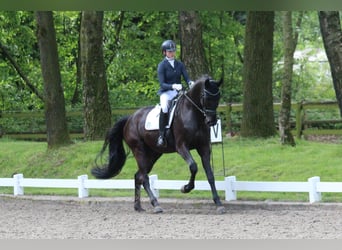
x=205 y=95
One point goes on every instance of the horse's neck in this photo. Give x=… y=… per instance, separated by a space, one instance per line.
x=195 y=94
x=192 y=102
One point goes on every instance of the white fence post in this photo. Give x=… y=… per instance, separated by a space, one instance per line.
x=82 y=191
x=314 y=196
x=17 y=188
x=229 y=188
x=153 y=179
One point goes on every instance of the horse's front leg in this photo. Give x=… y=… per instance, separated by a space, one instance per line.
x=204 y=152
x=185 y=153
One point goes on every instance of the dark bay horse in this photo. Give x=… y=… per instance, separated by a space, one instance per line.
x=194 y=114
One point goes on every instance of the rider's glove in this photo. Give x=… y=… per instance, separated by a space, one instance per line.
x=191 y=83
x=177 y=86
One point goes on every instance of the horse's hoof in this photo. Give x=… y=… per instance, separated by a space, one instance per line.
x=139 y=209
x=221 y=210
x=185 y=189
x=157 y=210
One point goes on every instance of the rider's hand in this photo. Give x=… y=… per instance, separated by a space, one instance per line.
x=177 y=86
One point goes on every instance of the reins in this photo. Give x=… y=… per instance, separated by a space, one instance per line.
x=192 y=102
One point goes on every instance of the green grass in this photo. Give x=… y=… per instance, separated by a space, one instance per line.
x=247 y=159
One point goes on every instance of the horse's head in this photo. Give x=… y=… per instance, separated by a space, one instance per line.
x=210 y=100
x=209 y=92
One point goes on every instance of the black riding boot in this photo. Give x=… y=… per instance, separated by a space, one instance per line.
x=162 y=124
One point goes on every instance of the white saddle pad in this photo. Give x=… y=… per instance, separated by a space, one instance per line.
x=152 y=118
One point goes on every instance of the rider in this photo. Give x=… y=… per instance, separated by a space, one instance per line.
x=169 y=71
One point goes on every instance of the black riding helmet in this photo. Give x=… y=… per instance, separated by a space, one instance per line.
x=168 y=45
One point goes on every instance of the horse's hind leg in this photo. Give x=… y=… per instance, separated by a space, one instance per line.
x=138 y=180
x=143 y=179
x=153 y=199
x=145 y=163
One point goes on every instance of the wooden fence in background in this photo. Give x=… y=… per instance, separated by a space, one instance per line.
x=302 y=123
x=230 y=114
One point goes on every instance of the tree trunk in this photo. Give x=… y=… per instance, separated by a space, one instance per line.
x=55 y=116
x=115 y=45
x=258 y=117
x=97 y=112
x=332 y=39
x=290 y=43
x=192 y=50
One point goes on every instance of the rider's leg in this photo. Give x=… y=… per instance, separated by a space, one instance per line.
x=165 y=98
x=162 y=124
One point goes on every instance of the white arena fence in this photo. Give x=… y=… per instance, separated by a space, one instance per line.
x=314 y=187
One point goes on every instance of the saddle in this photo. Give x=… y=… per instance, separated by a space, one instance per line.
x=152 y=118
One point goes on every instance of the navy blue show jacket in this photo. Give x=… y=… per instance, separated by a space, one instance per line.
x=167 y=75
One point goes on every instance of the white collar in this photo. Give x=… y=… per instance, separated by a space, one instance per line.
x=171 y=61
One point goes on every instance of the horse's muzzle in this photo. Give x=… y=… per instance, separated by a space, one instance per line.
x=211 y=120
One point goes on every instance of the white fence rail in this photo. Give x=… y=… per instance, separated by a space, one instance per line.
x=314 y=187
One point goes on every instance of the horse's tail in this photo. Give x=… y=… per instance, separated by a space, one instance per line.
x=117 y=154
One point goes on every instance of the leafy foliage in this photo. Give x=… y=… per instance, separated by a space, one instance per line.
x=311 y=76
x=132 y=42
x=17 y=36
x=131 y=49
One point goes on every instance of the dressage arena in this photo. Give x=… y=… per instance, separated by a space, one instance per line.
x=55 y=217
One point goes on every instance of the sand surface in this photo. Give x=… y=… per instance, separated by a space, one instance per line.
x=56 y=217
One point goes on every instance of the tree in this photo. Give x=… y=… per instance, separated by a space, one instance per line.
x=192 y=50
x=56 y=124
x=258 y=117
x=76 y=96
x=21 y=78
x=20 y=72
x=131 y=47
x=332 y=39
x=290 y=43
x=97 y=112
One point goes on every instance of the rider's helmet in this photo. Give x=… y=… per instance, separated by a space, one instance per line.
x=168 y=45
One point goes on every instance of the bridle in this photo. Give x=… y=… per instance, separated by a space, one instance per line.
x=205 y=93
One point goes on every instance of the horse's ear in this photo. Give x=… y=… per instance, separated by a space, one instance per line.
x=218 y=83
x=207 y=82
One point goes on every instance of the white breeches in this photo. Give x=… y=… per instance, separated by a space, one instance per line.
x=165 y=99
